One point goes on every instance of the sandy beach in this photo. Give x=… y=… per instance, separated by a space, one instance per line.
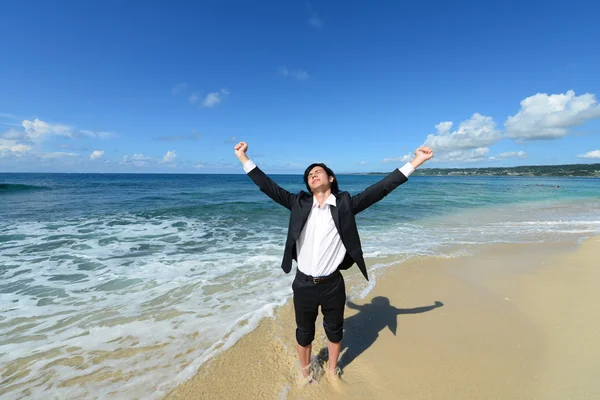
x=518 y=321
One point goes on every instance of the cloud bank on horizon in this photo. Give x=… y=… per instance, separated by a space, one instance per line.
x=541 y=117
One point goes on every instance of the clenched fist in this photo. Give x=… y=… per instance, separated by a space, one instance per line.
x=240 y=151
x=422 y=154
x=241 y=148
x=425 y=153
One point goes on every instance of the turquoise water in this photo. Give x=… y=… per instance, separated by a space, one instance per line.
x=183 y=265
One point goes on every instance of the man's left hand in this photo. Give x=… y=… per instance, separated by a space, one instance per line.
x=422 y=154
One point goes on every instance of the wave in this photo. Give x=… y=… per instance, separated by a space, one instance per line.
x=217 y=209
x=17 y=187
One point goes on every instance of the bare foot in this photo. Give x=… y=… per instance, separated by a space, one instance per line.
x=307 y=377
x=333 y=377
x=306 y=370
x=337 y=372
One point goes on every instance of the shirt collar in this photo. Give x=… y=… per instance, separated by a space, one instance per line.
x=331 y=200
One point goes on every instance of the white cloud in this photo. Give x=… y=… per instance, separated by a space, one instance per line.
x=443 y=128
x=16 y=142
x=13 y=134
x=94 y=134
x=178 y=88
x=363 y=163
x=298 y=74
x=405 y=158
x=36 y=130
x=169 y=157
x=20 y=148
x=544 y=116
x=11 y=147
x=476 y=132
x=315 y=21
x=96 y=154
x=199 y=165
x=140 y=160
x=212 y=99
x=473 y=155
x=510 y=154
x=590 y=154
x=140 y=157
x=137 y=160
x=55 y=155
x=7 y=144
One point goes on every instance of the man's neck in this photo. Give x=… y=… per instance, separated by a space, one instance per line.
x=322 y=196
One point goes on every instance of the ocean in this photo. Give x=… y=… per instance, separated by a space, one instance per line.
x=124 y=284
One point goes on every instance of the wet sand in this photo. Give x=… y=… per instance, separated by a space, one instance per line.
x=509 y=322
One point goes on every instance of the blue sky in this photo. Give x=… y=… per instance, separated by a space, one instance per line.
x=157 y=87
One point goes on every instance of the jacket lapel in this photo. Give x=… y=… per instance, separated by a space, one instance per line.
x=335 y=214
x=305 y=207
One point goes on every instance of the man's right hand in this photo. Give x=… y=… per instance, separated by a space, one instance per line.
x=240 y=151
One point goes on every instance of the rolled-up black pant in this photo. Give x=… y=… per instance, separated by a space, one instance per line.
x=309 y=294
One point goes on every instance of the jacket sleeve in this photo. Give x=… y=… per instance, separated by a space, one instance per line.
x=271 y=189
x=377 y=191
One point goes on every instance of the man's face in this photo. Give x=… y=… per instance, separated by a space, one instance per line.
x=318 y=179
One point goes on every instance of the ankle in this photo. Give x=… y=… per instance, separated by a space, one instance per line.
x=305 y=370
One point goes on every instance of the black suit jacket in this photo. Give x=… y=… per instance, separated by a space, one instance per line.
x=343 y=213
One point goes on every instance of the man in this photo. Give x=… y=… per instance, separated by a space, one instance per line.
x=323 y=239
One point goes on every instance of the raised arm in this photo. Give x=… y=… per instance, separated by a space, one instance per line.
x=354 y=306
x=379 y=190
x=265 y=184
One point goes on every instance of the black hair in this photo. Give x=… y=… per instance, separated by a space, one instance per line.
x=334 y=185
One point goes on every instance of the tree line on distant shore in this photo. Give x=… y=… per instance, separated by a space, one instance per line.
x=592 y=170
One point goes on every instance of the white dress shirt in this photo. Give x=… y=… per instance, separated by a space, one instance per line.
x=319 y=247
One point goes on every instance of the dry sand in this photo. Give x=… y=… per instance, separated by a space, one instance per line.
x=512 y=322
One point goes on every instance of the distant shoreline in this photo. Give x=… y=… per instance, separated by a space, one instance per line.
x=563 y=170
x=566 y=170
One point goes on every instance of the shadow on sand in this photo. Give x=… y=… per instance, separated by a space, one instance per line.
x=362 y=329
